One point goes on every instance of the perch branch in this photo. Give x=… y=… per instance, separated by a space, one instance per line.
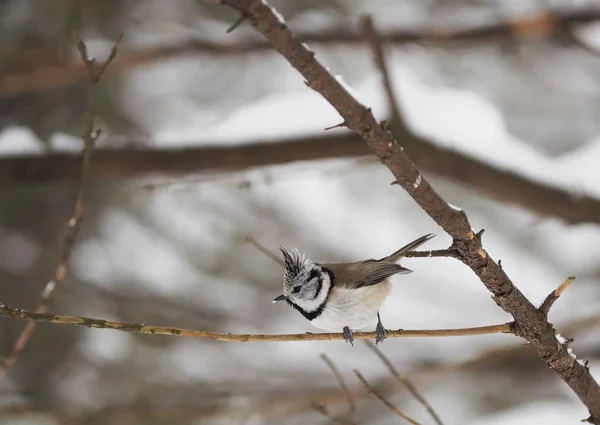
x=19 y=314
x=89 y=137
x=403 y=380
x=381 y=398
x=528 y=322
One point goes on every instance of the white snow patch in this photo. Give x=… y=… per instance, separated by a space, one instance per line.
x=542 y=412
x=340 y=80
x=306 y=47
x=18 y=251
x=454 y=207
x=277 y=14
x=49 y=288
x=65 y=143
x=106 y=346
x=19 y=141
x=417 y=182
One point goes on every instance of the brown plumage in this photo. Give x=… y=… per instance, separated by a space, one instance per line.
x=371 y=272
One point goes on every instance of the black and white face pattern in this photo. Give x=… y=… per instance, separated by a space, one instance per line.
x=305 y=284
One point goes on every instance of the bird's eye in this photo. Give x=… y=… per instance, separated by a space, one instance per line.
x=296 y=289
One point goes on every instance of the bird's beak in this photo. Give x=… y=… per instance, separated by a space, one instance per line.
x=280 y=298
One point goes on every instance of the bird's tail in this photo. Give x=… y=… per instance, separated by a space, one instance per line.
x=392 y=258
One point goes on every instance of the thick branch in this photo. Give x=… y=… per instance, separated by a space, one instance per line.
x=504 y=186
x=543 y=25
x=11 y=313
x=530 y=324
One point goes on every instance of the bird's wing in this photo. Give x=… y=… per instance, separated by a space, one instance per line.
x=363 y=273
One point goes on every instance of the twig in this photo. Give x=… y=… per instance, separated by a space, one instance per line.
x=403 y=380
x=237 y=23
x=449 y=253
x=19 y=314
x=264 y=250
x=554 y=295
x=337 y=419
x=575 y=39
x=376 y=43
x=341 y=380
x=381 y=398
x=528 y=322
x=340 y=125
x=446 y=253
x=74 y=225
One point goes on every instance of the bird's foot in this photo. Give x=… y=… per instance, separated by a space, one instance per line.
x=381 y=332
x=348 y=335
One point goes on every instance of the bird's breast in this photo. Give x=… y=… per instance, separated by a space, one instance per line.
x=355 y=308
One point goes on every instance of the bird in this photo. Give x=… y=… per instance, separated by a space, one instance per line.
x=341 y=296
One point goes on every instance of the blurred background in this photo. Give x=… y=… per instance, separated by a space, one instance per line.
x=209 y=137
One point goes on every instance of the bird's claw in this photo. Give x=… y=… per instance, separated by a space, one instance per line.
x=381 y=333
x=348 y=335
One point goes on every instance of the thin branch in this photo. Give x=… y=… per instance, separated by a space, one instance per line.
x=340 y=125
x=282 y=408
x=554 y=295
x=535 y=27
x=250 y=239
x=528 y=322
x=337 y=419
x=376 y=42
x=341 y=381
x=110 y=59
x=436 y=253
x=89 y=137
x=575 y=39
x=381 y=398
x=19 y=314
x=403 y=380
x=450 y=253
x=237 y=23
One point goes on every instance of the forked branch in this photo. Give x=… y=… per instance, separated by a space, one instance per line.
x=384 y=400
x=403 y=380
x=89 y=136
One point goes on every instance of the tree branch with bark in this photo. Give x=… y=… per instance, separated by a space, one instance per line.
x=530 y=323
x=32 y=317
x=487 y=179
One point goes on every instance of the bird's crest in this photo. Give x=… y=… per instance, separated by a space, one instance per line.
x=296 y=264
